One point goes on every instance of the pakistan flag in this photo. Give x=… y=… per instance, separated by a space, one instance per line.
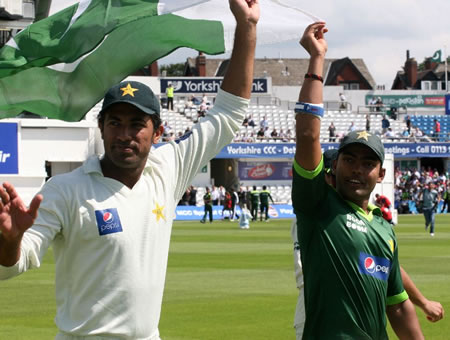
x=60 y=67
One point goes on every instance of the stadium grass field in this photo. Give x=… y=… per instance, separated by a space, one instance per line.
x=226 y=283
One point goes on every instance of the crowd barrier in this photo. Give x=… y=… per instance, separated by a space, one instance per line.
x=194 y=213
x=413 y=208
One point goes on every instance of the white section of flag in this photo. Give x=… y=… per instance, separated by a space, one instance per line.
x=280 y=20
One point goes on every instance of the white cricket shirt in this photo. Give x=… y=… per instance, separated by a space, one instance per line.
x=111 y=242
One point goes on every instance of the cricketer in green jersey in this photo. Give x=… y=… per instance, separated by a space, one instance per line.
x=349 y=252
x=264 y=196
x=433 y=309
x=254 y=200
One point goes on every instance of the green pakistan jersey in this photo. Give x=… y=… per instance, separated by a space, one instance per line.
x=350 y=262
x=207 y=198
x=264 y=197
x=254 y=196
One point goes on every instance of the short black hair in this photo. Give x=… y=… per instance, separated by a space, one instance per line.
x=156 y=120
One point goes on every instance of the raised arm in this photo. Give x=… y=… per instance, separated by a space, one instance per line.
x=239 y=76
x=432 y=309
x=404 y=322
x=308 y=152
x=15 y=219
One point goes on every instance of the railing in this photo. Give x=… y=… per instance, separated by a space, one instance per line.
x=265 y=100
x=440 y=138
x=330 y=106
x=383 y=109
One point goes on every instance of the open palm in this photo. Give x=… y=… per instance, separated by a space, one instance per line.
x=15 y=217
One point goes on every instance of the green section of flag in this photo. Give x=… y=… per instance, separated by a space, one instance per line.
x=437 y=56
x=108 y=46
x=49 y=41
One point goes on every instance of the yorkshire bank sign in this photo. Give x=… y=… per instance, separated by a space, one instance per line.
x=206 y=85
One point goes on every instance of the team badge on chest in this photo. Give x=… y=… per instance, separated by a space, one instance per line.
x=108 y=221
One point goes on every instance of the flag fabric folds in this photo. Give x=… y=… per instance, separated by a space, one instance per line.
x=280 y=20
x=61 y=66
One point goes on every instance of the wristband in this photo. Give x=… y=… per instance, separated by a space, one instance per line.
x=313 y=76
x=312 y=109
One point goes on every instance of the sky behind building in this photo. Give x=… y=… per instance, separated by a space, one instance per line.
x=378 y=32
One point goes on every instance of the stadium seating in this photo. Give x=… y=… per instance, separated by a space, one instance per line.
x=426 y=124
x=283 y=119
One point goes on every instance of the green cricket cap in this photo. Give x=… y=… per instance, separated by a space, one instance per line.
x=366 y=138
x=134 y=93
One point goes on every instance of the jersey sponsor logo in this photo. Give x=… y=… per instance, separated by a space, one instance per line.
x=108 y=221
x=377 y=267
x=356 y=224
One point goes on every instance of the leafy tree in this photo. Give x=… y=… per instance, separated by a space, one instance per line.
x=173 y=70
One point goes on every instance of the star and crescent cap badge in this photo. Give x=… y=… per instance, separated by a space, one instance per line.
x=364 y=134
x=128 y=90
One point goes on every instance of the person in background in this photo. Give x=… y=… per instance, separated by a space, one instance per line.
x=430 y=198
x=408 y=123
x=185 y=198
x=436 y=130
x=332 y=133
x=283 y=136
x=251 y=122
x=446 y=197
x=192 y=196
x=352 y=127
x=243 y=197
x=379 y=104
x=207 y=200
x=244 y=219
x=264 y=196
x=385 y=124
x=264 y=123
x=234 y=203
x=222 y=192
x=227 y=204
x=343 y=100
x=372 y=104
x=215 y=194
x=254 y=199
x=169 y=94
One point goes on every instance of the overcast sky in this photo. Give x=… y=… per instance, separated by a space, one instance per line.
x=379 y=32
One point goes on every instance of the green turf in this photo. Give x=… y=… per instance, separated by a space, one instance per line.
x=226 y=283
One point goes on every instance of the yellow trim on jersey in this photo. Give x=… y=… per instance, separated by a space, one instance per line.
x=373 y=209
x=308 y=174
x=396 y=299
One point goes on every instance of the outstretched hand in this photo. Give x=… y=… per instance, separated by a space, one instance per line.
x=15 y=217
x=313 y=39
x=245 y=11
